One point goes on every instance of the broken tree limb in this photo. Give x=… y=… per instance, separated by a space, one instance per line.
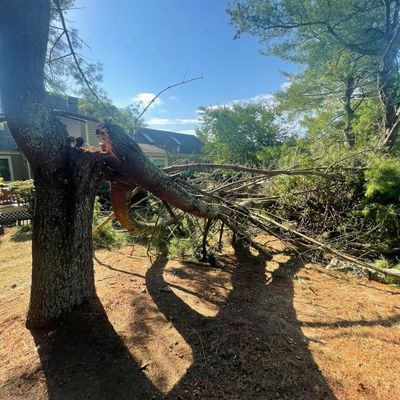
x=238 y=168
x=121 y=195
x=99 y=227
x=134 y=168
x=329 y=250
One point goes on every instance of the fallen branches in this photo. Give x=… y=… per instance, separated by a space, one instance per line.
x=204 y=197
x=329 y=250
x=239 y=168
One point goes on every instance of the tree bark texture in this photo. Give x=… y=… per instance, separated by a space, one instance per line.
x=62 y=264
x=65 y=178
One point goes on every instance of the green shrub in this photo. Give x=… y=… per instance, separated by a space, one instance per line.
x=181 y=248
x=23 y=192
x=383 y=181
x=382 y=200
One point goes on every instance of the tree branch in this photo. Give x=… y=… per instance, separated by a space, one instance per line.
x=57 y=3
x=160 y=93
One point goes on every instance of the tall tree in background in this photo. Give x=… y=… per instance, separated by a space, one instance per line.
x=337 y=88
x=367 y=28
x=234 y=133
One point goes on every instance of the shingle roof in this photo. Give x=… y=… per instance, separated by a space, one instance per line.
x=63 y=103
x=172 y=141
x=7 y=142
x=148 y=148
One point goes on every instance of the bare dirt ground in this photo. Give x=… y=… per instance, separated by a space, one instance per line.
x=249 y=328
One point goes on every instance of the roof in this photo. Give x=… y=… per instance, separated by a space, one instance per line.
x=171 y=141
x=149 y=148
x=7 y=142
x=63 y=103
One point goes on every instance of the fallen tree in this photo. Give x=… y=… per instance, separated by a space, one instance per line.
x=66 y=178
x=140 y=171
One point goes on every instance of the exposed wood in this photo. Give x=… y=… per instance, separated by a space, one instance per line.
x=99 y=227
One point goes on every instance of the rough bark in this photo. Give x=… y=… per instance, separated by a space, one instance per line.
x=65 y=178
x=62 y=265
x=135 y=169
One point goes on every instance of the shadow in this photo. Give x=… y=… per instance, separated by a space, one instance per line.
x=22 y=233
x=84 y=358
x=254 y=347
x=385 y=322
x=111 y=268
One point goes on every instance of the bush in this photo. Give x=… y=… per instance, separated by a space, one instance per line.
x=23 y=192
x=182 y=248
x=381 y=205
x=383 y=181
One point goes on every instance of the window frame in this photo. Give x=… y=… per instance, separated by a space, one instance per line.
x=10 y=166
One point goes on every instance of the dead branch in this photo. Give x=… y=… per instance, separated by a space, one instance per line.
x=329 y=250
x=160 y=93
x=238 y=168
x=99 y=227
x=75 y=57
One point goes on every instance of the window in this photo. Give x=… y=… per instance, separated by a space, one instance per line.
x=2 y=126
x=6 y=168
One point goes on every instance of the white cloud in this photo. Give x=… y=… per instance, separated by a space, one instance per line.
x=145 y=98
x=264 y=98
x=188 y=131
x=171 y=121
x=286 y=85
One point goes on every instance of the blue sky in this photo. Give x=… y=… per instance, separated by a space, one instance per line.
x=146 y=45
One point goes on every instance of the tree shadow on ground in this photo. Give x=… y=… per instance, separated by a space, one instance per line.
x=85 y=358
x=22 y=234
x=254 y=348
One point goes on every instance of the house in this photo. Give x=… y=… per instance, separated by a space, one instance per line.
x=179 y=148
x=14 y=165
x=162 y=147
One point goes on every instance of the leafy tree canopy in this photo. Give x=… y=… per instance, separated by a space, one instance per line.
x=349 y=50
x=234 y=134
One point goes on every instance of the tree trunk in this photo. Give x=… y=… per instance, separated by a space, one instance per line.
x=388 y=97
x=349 y=112
x=65 y=178
x=62 y=265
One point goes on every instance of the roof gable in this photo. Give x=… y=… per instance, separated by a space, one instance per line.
x=171 y=141
x=7 y=142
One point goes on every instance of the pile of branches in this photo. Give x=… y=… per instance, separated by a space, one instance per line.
x=238 y=198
